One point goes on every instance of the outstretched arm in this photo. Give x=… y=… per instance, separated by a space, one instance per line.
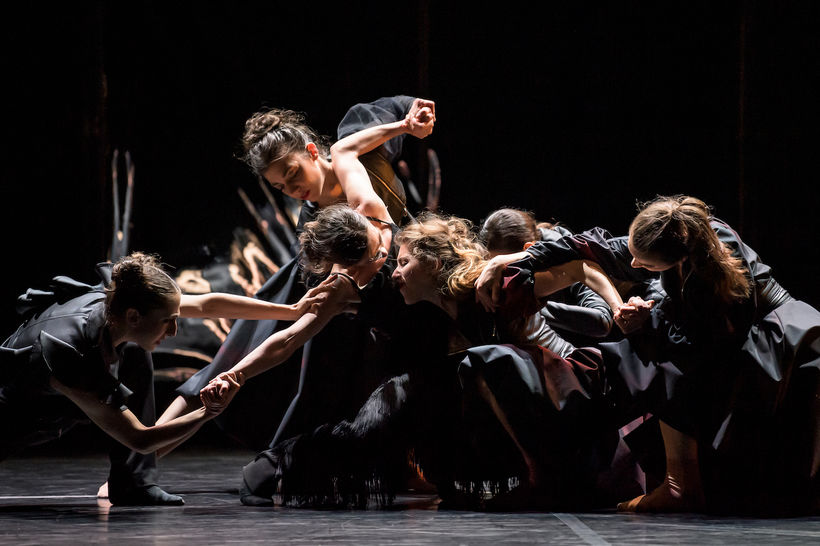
x=278 y=347
x=123 y=425
x=337 y=295
x=220 y=305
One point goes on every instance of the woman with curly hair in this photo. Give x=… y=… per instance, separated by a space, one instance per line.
x=728 y=361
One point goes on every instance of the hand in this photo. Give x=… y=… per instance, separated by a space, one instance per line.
x=312 y=300
x=422 y=109
x=421 y=118
x=219 y=392
x=488 y=284
x=342 y=296
x=631 y=315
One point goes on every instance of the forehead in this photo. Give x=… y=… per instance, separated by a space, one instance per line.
x=280 y=166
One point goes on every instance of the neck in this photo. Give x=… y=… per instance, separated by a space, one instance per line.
x=116 y=336
x=331 y=188
x=449 y=305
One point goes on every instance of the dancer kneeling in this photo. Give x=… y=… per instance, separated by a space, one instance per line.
x=78 y=347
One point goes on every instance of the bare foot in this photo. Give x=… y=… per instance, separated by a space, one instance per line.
x=670 y=496
x=102 y=492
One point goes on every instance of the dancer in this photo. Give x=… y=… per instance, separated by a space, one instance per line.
x=574 y=316
x=55 y=367
x=729 y=360
x=295 y=160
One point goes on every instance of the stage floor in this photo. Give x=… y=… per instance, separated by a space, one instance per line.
x=46 y=500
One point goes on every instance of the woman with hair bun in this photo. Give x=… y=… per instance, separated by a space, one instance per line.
x=83 y=352
x=728 y=361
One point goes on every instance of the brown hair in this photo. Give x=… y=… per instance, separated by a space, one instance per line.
x=138 y=282
x=273 y=134
x=508 y=229
x=452 y=245
x=337 y=236
x=677 y=227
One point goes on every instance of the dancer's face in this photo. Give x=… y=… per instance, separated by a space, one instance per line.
x=415 y=279
x=297 y=175
x=648 y=261
x=150 y=329
x=374 y=257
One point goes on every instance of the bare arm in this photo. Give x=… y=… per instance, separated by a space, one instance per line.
x=220 y=305
x=124 y=426
x=583 y=271
x=338 y=295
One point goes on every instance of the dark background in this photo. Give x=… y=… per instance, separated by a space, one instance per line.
x=574 y=111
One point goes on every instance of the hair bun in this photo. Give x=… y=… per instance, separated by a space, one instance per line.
x=262 y=123
x=129 y=268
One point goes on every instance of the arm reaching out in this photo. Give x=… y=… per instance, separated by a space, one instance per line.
x=220 y=305
x=124 y=426
x=339 y=295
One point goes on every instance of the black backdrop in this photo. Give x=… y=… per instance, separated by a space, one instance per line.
x=573 y=111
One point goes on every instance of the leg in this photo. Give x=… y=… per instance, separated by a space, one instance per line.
x=533 y=471
x=681 y=490
x=132 y=479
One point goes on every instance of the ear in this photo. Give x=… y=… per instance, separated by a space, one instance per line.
x=132 y=317
x=528 y=244
x=312 y=150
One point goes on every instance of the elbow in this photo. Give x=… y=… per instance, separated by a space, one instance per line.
x=605 y=324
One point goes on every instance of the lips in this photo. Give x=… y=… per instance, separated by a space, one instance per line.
x=304 y=196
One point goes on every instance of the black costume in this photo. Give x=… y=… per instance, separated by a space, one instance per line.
x=332 y=381
x=435 y=413
x=62 y=336
x=742 y=378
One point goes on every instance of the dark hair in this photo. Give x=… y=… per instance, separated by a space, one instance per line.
x=273 y=134
x=508 y=229
x=337 y=236
x=677 y=227
x=138 y=282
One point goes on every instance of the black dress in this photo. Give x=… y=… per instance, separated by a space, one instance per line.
x=325 y=379
x=743 y=379
x=62 y=337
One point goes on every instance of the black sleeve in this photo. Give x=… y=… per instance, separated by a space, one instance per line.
x=384 y=110
x=84 y=371
x=597 y=245
x=580 y=310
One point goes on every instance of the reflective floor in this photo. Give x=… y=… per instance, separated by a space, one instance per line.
x=46 y=500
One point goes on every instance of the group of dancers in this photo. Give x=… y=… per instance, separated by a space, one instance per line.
x=513 y=365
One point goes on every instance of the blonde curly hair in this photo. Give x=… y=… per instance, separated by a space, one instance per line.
x=451 y=245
